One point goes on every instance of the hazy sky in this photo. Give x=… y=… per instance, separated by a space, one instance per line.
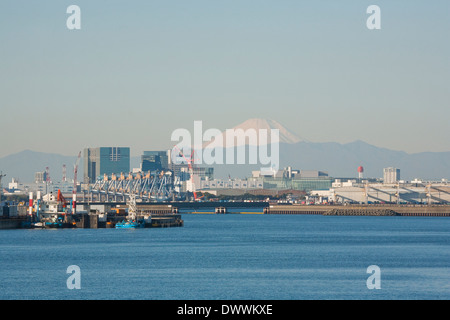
x=137 y=70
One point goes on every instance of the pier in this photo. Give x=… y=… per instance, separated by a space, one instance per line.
x=95 y=221
x=404 y=210
x=11 y=223
x=362 y=210
x=165 y=215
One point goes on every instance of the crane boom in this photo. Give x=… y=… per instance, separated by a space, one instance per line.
x=74 y=191
x=190 y=163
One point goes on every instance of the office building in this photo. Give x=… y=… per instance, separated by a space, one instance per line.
x=105 y=160
x=391 y=175
x=204 y=173
x=154 y=161
x=40 y=177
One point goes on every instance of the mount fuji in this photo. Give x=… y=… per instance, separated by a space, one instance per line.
x=256 y=124
x=339 y=160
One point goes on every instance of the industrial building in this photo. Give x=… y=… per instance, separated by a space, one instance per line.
x=304 y=180
x=231 y=184
x=194 y=178
x=287 y=179
x=380 y=193
x=184 y=169
x=204 y=173
x=105 y=160
x=40 y=177
x=391 y=175
x=154 y=161
x=44 y=187
x=289 y=173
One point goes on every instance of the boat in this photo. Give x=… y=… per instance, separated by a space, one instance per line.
x=126 y=224
x=51 y=213
x=132 y=222
x=38 y=225
x=59 y=223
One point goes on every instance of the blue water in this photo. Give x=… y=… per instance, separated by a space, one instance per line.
x=233 y=256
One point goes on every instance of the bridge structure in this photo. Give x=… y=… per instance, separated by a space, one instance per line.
x=157 y=186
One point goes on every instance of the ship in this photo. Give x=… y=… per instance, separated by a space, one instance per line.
x=52 y=212
x=132 y=221
x=130 y=224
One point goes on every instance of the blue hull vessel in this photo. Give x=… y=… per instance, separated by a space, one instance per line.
x=131 y=222
x=130 y=225
x=58 y=224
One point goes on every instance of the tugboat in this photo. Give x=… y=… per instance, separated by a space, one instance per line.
x=52 y=213
x=127 y=224
x=132 y=222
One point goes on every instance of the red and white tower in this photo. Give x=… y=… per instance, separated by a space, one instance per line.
x=360 y=172
x=30 y=204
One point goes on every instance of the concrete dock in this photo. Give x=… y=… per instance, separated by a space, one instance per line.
x=12 y=223
x=94 y=221
x=362 y=210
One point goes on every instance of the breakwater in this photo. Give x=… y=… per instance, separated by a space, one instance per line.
x=276 y=208
x=358 y=212
x=362 y=210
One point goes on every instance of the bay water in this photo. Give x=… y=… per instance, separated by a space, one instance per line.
x=233 y=256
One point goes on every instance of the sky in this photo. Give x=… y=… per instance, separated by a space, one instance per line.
x=138 y=70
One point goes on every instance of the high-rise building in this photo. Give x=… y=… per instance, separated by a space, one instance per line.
x=183 y=168
x=391 y=175
x=105 y=160
x=154 y=160
x=201 y=172
x=40 y=177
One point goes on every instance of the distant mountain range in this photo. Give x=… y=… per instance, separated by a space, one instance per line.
x=339 y=160
x=342 y=161
x=25 y=164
